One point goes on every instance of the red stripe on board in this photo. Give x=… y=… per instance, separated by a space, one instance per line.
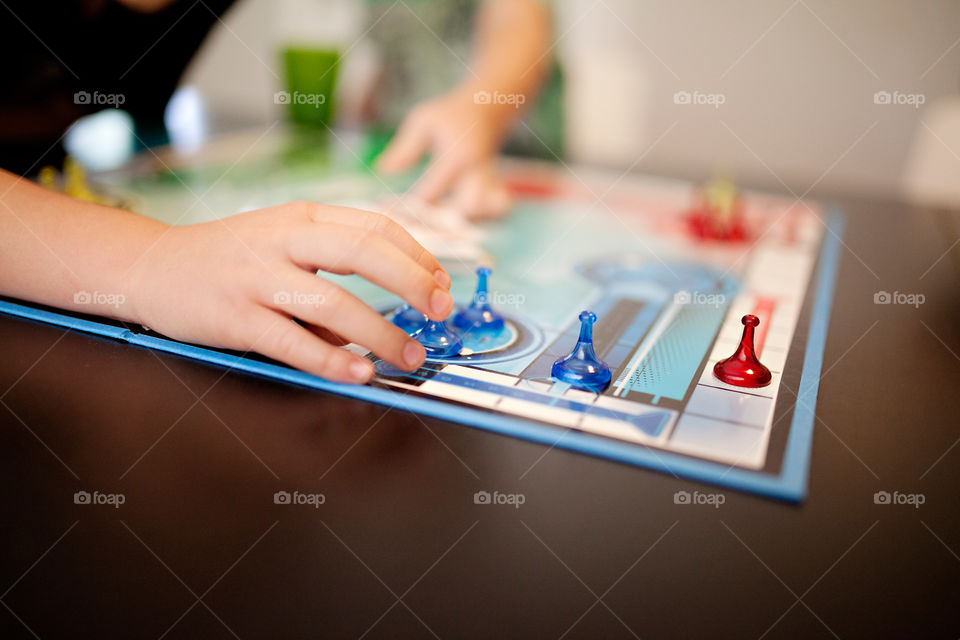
x=763 y=310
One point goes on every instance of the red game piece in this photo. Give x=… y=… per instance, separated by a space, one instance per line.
x=743 y=368
x=717 y=212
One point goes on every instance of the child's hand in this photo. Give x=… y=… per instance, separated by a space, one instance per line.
x=240 y=282
x=463 y=137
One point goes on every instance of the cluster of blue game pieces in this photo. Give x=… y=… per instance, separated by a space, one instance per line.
x=581 y=368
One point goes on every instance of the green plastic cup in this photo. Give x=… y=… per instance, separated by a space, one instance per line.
x=311 y=79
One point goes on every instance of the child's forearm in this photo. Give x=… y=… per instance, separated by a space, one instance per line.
x=512 y=53
x=68 y=253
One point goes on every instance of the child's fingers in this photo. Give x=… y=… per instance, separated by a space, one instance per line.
x=280 y=338
x=326 y=335
x=439 y=177
x=322 y=303
x=481 y=194
x=389 y=229
x=344 y=249
x=407 y=147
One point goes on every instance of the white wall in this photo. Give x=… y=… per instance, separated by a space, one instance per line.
x=798 y=80
x=238 y=69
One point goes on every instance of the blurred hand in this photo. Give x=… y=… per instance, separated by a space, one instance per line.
x=239 y=283
x=462 y=138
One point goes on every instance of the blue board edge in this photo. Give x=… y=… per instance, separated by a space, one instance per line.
x=790 y=484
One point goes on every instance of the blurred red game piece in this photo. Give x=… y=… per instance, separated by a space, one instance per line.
x=743 y=368
x=717 y=212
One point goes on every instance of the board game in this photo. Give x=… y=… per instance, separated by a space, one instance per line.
x=669 y=303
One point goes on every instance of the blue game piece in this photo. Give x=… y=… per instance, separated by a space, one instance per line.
x=479 y=316
x=582 y=368
x=409 y=319
x=438 y=340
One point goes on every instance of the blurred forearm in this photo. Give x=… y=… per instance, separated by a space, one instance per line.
x=512 y=51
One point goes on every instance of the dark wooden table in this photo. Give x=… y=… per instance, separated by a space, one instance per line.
x=399 y=549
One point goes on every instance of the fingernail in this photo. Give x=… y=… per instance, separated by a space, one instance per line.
x=361 y=371
x=413 y=354
x=440 y=302
x=442 y=278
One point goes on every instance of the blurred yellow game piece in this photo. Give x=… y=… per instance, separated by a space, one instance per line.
x=48 y=177
x=717 y=212
x=75 y=181
x=721 y=197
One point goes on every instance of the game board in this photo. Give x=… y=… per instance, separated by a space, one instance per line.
x=668 y=305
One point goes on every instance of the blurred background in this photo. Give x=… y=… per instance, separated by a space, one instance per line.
x=856 y=98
